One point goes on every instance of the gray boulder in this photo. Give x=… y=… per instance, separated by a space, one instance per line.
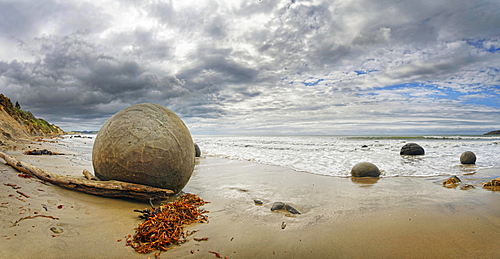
x=283 y=206
x=412 y=149
x=145 y=144
x=278 y=206
x=468 y=158
x=197 y=150
x=258 y=202
x=365 y=169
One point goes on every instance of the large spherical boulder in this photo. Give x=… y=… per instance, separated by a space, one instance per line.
x=365 y=169
x=145 y=144
x=412 y=149
x=468 y=158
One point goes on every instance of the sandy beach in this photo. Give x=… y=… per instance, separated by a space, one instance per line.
x=398 y=217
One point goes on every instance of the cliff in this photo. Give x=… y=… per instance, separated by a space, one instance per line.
x=17 y=124
x=495 y=132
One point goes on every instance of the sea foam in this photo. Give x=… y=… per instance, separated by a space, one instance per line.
x=336 y=155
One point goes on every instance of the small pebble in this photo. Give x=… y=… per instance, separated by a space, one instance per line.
x=258 y=202
x=56 y=230
x=283 y=225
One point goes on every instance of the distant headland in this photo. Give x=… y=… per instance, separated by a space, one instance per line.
x=75 y=132
x=495 y=132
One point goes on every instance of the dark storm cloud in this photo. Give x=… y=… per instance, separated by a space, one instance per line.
x=72 y=76
x=141 y=44
x=250 y=64
x=23 y=19
x=216 y=67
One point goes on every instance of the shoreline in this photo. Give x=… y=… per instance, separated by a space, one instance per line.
x=390 y=217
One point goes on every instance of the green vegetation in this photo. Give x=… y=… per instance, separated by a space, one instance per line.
x=35 y=126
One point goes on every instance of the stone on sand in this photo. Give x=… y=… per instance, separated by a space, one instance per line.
x=283 y=206
x=365 y=169
x=145 y=144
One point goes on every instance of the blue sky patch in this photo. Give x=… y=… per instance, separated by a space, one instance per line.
x=312 y=83
x=480 y=45
x=486 y=97
x=363 y=72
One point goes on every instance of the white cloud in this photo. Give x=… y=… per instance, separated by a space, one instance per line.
x=257 y=66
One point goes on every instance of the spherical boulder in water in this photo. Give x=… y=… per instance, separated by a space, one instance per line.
x=145 y=144
x=365 y=169
x=197 y=149
x=468 y=158
x=412 y=149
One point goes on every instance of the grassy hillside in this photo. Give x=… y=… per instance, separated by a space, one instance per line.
x=27 y=122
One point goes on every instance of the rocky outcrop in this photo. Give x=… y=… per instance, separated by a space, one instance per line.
x=18 y=124
x=452 y=181
x=495 y=132
x=492 y=183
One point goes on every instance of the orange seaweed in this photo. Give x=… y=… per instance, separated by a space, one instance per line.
x=165 y=226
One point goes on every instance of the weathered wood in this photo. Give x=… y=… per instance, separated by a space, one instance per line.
x=89 y=175
x=115 y=189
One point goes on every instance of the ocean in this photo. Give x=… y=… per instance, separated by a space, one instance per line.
x=336 y=155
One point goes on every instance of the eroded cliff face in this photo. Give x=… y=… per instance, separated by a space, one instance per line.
x=18 y=124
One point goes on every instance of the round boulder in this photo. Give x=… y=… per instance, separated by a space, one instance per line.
x=468 y=158
x=197 y=150
x=412 y=149
x=365 y=169
x=145 y=144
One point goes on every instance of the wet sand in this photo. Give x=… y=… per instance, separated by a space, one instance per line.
x=398 y=217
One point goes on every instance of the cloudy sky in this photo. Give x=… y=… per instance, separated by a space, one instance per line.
x=258 y=66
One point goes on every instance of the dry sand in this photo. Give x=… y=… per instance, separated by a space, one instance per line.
x=399 y=217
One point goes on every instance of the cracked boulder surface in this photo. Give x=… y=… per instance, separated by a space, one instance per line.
x=145 y=144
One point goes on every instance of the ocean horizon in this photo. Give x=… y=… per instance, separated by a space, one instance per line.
x=335 y=155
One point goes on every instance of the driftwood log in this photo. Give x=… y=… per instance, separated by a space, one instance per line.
x=115 y=189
